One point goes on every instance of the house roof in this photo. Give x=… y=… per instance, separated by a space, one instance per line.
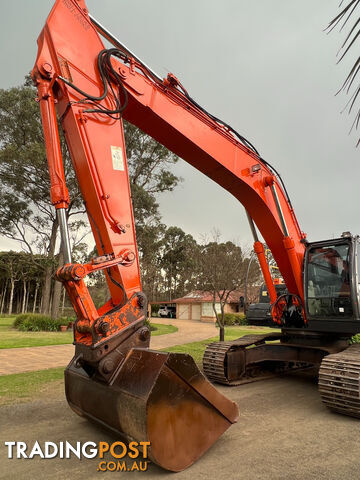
x=198 y=296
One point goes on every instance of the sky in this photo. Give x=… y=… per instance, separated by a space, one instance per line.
x=266 y=68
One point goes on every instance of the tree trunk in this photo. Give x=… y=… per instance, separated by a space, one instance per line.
x=18 y=301
x=222 y=333
x=45 y=302
x=27 y=296
x=23 y=297
x=222 y=323
x=3 y=303
x=46 y=291
x=35 y=297
x=57 y=290
x=12 y=286
x=4 y=298
x=63 y=302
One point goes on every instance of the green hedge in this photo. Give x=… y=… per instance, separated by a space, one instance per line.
x=234 y=319
x=355 y=339
x=31 y=322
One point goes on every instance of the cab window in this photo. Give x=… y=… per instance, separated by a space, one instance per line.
x=328 y=285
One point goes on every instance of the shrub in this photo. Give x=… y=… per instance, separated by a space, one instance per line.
x=19 y=319
x=231 y=319
x=148 y=324
x=31 y=322
x=355 y=339
x=241 y=319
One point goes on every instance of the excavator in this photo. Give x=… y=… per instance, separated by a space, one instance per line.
x=114 y=378
x=259 y=313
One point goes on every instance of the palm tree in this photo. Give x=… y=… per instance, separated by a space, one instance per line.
x=350 y=86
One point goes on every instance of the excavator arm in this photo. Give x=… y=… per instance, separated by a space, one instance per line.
x=114 y=378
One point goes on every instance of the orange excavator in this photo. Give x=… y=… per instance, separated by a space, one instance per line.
x=114 y=378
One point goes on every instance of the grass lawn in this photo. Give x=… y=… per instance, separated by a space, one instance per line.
x=22 y=387
x=25 y=386
x=196 y=349
x=163 y=329
x=12 y=338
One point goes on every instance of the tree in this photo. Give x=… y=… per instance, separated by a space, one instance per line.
x=26 y=214
x=12 y=268
x=178 y=261
x=349 y=86
x=222 y=271
x=150 y=248
x=19 y=281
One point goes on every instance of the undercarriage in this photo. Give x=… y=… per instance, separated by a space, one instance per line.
x=258 y=357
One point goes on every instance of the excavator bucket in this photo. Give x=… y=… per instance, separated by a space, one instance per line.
x=155 y=397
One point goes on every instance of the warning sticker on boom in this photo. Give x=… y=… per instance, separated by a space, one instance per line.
x=117 y=158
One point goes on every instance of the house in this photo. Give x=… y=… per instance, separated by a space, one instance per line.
x=198 y=305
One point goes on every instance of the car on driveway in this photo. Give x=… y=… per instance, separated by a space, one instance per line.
x=167 y=312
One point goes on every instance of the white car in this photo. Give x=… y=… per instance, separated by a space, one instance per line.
x=167 y=312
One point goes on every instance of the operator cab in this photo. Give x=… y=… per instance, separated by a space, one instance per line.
x=331 y=285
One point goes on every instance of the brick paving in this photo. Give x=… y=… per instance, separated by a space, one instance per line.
x=19 y=360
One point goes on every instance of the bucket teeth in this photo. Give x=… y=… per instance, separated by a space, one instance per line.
x=157 y=397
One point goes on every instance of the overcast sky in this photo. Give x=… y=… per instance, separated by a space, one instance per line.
x=265 y=67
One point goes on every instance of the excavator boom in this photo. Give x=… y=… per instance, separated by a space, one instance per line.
x=164 y=110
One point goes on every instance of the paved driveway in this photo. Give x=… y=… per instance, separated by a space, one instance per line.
x=188 y=331
x=17 y=360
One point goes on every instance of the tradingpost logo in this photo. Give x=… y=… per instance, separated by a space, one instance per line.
x=116 y=450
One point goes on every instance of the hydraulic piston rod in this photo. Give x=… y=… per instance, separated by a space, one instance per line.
x=64 y=233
